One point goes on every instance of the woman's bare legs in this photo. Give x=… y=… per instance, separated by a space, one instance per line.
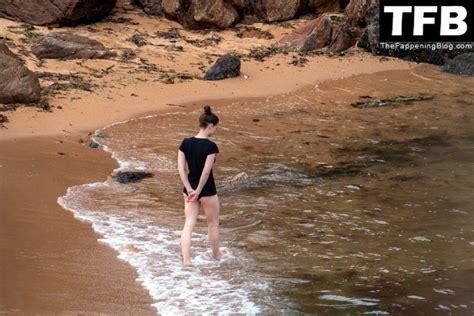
x=191 y=210
x=210 y=205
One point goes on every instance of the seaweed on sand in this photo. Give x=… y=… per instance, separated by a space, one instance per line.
x=251 y=31
x=42 y=104
x=139 y=39
x=27 y=30
x=210 y=41
x=171 y=34
x=128 y=54
x=63 y=82
x=261 y=52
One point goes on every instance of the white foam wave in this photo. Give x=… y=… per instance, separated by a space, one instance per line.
x=155 y=253
x=351 y=300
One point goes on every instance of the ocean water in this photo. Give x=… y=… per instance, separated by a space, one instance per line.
x=339 y=211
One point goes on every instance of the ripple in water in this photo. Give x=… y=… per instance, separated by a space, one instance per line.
x=327 y=220
x=155 y=253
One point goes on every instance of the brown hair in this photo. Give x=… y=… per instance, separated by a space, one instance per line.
x=208 y=117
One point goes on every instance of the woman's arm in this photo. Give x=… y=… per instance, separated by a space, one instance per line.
x=182 y=171
x=205 y=172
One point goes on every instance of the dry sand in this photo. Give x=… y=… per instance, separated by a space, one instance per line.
x=52 y=262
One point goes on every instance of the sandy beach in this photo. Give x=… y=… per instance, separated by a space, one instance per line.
x=34 y=174
x=52 y=263
x=45 y=250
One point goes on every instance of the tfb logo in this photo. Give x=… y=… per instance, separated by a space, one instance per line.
x=426 y=20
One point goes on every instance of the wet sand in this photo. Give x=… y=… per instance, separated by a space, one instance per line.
x=50 y=261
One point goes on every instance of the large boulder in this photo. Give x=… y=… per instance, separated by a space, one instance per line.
x=215 y=12
x=181 y=11
x=276 y=10
x=359 y=12
x=193 y=14
x=227 y=66
x=65 y=45
x=54 y=12
x=152 y=7
x=17 y=83
x=462 y=64
x=172 y=7
x=273 y=10
x=323 y=6
x=328 y=30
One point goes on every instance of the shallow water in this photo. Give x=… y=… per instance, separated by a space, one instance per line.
x=342 y=210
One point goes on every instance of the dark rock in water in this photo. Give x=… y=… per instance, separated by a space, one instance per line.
x=405 y=152
x=462 y=64
x=53 y=12
x=374 y=103
x=17 y=83
x=65 y=45
x=328 y=30
x=399 y=151
x=131 y=176
x=94 y=145
x=402 y=178
x=226 y=66
x=343 y=169
x=99 y=134
x=370 y=41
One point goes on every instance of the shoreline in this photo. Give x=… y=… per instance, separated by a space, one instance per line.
x=114 y=280
x=82 y=116
x=52 y=262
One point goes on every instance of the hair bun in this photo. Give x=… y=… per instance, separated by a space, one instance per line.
x=207 y=109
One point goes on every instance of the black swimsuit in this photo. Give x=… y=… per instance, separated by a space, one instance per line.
x=196 y=151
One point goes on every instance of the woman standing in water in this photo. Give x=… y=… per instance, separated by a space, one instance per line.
x=199 y=152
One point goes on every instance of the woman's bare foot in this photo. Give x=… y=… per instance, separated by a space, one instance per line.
x=218 y=257
x=186 y=263
x=224 y=252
